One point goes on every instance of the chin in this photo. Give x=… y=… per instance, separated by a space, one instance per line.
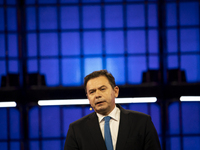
x=100 y=111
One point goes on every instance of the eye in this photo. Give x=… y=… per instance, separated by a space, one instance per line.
x=102 y=89
x=91 y=92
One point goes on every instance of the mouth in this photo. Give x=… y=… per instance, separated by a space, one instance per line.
x=100 y=102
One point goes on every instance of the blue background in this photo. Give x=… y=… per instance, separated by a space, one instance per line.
x=65 y=42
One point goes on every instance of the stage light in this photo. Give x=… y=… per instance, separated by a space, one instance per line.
x=136 y=100
x=63 y=102
x=8 y=104
x=189 y=98
x=86 y=101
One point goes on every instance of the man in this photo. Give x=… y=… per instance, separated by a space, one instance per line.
x=130 y=130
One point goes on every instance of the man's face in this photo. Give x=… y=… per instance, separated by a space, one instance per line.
x=101 y=95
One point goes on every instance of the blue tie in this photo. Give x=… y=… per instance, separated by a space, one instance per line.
x=108 y=138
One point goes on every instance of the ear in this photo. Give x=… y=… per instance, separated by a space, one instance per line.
x=116 y=90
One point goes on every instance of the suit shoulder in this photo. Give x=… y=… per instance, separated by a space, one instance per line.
x=83 y=119
x=133 y=113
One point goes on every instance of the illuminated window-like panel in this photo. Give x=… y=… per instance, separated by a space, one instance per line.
x=2 y=45
x=113 y=16
x=50 y=121
x=48 y=44
x=191 y=117
x=32 y=65
x=49 y=67
x=34 y=145
x=189 y=13
x=191 y=143
x=92 y=64
x=171 y=17
x=12 y=2
x=116 y=65
x=10 y=128
x=172 y=61
x=69 y=1
x=31 y=18
x=152 y=15
x=14 y=124
x=4 y=145
x=153 y=62
x=136 y=42
x=153 y=41
x=113 y=0
x=47 y=1
x=48 y=17
x=15 y=146
x=189 y=39
x=11 y=19
x=69 y=17
x=51 y=144
x=175 y=143
x=139 y=107
x=70 y=114
x=114 y=42
x=172 y=41
x=92 y=43
x=70 y=43
x=156 y=118
x=71 y=74
x=137 y=65
x=3 y=68
x=91 y=1
x=12 y=45
x=33 y=123
x=4 y=125
x=91 y=14
x=190 y=63
x=135 y=15
x=174 y=118
x=32 y=45
x=13 y=66
x=2 y=15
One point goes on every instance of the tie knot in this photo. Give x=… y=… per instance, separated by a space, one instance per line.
x=107 y=119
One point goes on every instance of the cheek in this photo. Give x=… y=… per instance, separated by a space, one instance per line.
x=91 y=102
x=112 y=94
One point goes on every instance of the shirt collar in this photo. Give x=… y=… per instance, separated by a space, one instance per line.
x=114 y=114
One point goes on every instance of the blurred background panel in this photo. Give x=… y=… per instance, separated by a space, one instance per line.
x=47 y=47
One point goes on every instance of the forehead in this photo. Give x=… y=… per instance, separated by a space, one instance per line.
x=97 y=82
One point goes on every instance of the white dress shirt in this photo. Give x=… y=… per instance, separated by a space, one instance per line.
x=114 y=124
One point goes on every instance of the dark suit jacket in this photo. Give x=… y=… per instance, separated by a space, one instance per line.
x=136 y=132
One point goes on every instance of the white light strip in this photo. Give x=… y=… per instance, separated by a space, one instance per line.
x=189 y=98
x=136 y=100
x=86 y=101
x=63 y=102
x=8 y=104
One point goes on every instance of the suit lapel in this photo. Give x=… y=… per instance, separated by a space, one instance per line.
x=95 y=131
x=124 y=129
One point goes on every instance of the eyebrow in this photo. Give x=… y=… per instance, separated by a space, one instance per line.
x=97 y=88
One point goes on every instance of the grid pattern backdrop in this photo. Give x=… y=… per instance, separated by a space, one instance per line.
x=78 y=38
x=47 y=126
x=64 y=40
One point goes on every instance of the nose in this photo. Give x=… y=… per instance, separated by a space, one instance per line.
x=98 y=94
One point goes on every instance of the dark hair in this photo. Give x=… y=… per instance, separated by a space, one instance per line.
x=96 y=74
